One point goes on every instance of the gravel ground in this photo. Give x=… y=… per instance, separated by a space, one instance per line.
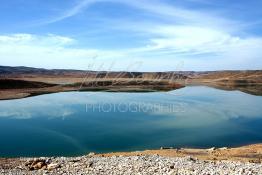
x=152 y=164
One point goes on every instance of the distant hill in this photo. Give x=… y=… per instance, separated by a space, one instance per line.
x=28 y=81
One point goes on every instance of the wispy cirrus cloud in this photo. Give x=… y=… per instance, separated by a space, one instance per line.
x=77 y=8
x=156 y=7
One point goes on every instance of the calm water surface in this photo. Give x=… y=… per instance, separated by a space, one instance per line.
x=76 y=123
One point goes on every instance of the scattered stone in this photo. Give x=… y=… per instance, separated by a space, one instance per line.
x=48 y=161
x=36 y=164
x=166 y=148
x=90 y=164
x=75 y=160
x=149 y=164
x=211 y=149
x=53 y=166
x=189 y=158
x=91 y=154
x=255 y=161
x=223 y=148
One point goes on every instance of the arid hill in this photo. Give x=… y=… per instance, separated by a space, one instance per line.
x=245 y=81
x=19 y=82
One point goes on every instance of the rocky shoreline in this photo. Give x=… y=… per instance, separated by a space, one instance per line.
x=151 y=164
x=243 y=160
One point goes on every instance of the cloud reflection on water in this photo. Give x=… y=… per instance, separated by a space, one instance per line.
x=192 y=105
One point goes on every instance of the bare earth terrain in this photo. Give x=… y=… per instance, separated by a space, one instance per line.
x=20 y=82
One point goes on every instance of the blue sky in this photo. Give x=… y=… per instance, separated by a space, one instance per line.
x=132 y=35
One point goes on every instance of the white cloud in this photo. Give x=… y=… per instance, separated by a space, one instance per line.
x=25 y=39
x=199 y=39
x=193 y=40
x=168 y=47
x=199 y=48
x=48 y=51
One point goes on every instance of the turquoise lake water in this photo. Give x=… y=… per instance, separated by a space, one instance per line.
x=75 y=123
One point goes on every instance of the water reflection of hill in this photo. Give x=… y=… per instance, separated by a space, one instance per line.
x=19 y=82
